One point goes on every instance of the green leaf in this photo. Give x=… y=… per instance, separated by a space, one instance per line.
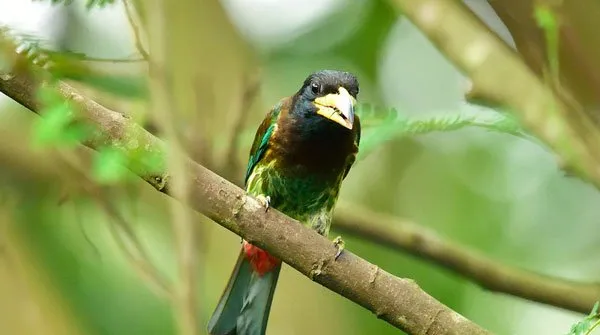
x=588 y=324
x=547 y=20
x=57 y=126
x=384 y=126
x=109 y=166
x=373 y=117
x=49 y=128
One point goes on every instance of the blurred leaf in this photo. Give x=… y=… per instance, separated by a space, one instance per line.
x=109 y=166
x=50 y=128
x=57 y=126
x=72 y=65
x=546 y=19
x=588 y=324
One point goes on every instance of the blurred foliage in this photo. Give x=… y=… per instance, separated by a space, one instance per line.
x=109 y=166
x=89 y=3
x=76 y=66
x=489 y=185
x=58 y=126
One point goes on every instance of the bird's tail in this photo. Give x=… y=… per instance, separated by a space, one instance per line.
x=245 y=304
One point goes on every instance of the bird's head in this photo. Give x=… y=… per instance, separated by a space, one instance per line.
x=330 y=94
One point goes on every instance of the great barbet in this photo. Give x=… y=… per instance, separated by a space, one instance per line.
x=302 y=152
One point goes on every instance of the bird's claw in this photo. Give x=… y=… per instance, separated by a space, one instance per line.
x=264 y=201
x=339 y=244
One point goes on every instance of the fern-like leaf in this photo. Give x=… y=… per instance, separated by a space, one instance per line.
x=588 y=324
x=383 y=126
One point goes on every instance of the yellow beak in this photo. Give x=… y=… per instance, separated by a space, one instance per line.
x=337 y=107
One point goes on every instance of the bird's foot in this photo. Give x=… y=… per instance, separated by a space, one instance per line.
x=264 y=201
x=339 y=244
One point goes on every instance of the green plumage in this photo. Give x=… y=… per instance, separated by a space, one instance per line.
x=298 y=159
x=305 y=187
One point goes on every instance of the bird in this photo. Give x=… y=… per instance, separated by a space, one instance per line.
x=302 y=151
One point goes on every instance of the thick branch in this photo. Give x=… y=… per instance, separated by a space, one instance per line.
x=578 y=44
x=408 y=237
x=398 y=301
x=497 y=72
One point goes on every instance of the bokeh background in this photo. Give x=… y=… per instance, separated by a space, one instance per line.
x=61 y=271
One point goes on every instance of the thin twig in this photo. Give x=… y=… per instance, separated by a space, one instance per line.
x=129 y=9
x=594 y=326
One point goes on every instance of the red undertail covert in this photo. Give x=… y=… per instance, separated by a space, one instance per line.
x=261 y=261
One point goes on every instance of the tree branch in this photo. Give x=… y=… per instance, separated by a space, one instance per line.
x=498 y=73
x=578 y=44
x=398 y=301
x=408 y=237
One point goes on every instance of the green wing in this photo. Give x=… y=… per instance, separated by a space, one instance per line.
x=261 y=139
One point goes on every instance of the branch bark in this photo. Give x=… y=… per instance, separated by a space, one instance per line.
x=498 y=73
x=408 y=237
x=398 y=301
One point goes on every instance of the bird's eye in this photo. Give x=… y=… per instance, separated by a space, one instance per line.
x=316 y=88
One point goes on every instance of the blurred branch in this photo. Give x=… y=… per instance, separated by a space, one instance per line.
x=129 y=12
x=500 y=75
x=163 y=111
x=141 y=262
x=399 y=301
x=408 y=237
x=577 y=47
x=249 y=93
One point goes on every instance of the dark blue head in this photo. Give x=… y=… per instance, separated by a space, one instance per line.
x=330 y=94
